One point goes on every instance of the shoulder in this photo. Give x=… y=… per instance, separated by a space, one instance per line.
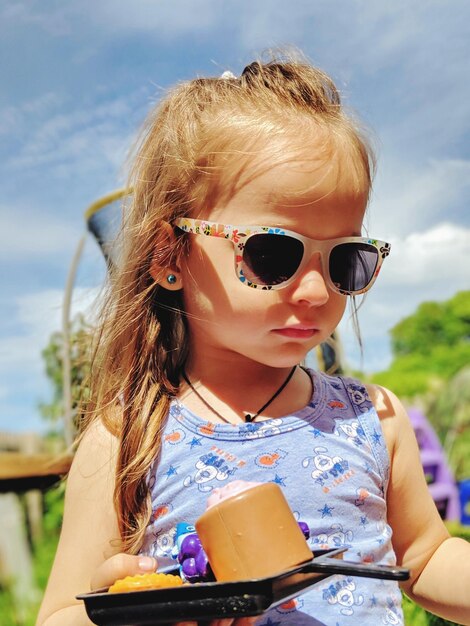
x=90 y=487
x=386 y=403
x=392 y=415
x=95 y=458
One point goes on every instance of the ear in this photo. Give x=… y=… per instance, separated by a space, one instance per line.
x=164 y=268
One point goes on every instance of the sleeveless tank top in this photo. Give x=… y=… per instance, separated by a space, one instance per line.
x=331 y=463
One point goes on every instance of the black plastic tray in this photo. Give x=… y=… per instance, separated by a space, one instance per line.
x=206 y=601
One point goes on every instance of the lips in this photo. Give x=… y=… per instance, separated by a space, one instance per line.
x=297 y=331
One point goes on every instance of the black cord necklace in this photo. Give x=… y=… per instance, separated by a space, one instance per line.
x=248 y=416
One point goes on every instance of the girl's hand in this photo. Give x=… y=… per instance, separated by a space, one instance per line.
x=122 y=565
x=119 y=566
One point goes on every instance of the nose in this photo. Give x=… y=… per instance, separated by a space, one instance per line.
x=309 y=289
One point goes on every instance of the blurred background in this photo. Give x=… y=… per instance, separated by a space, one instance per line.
x=78 y=79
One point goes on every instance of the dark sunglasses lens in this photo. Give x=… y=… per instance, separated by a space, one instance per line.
x=352 y=265
x=271 y=259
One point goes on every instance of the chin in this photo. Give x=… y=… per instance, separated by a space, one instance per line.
x=288 y=358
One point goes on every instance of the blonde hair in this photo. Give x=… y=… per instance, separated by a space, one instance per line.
x=198 y=128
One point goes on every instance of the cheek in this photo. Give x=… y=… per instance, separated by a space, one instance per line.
x=339 y=302
x=336 y=307
x=209 y=281
x=329 y=316
x=209 y=264
x=209 y=273
x=212 y=292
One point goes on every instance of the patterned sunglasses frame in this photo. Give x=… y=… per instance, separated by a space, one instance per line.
x=238 y=236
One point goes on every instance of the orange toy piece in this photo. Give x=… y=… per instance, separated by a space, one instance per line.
x=140 y=582
x=248 y=531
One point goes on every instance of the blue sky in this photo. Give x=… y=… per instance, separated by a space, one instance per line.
x=79 y=76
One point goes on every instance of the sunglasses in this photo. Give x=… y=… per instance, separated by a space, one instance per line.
x=267 y=257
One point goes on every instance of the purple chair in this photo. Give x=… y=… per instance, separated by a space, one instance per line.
x=439 y=477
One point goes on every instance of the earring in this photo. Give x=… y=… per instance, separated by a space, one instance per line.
x=171 y=279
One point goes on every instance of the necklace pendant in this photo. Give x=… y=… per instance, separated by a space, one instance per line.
x=248 y=417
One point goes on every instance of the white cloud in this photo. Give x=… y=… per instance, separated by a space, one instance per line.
x=28 y=234
x=168 y=19
x=374 y=34
x=410 y=197
x=42 y=311
x=72 y=137
x=12 y=118
x=436 y=257
x=81 y=144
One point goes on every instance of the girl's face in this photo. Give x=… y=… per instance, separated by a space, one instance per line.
x=317 y=197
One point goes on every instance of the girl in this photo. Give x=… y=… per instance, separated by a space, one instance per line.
x=241 y=248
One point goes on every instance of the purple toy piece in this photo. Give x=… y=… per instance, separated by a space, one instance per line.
x=203 y=567
x=189 y=569
x=190 y=547
x=305 y=529
x=193 y=561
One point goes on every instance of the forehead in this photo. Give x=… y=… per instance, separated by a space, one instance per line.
x=315 y=169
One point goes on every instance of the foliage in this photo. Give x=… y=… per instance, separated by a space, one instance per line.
x=43 y=556
x=9 y=613
x=80 y=353
x=448 y=409
x=434 y=323
x=415 y=374
x=414 y=614
x=44 y=550
x=431 y=369
x=431 y=345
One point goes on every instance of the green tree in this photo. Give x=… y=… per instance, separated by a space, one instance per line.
x=431 y=368
x=448 y=409
x=429 y=347
x=433 y=324
x=53 y=355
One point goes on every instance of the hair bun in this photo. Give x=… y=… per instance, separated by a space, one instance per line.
x=253 y=69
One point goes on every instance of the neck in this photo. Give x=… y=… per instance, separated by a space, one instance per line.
x=220 y=395
x=215 y=371
x=249 y=417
